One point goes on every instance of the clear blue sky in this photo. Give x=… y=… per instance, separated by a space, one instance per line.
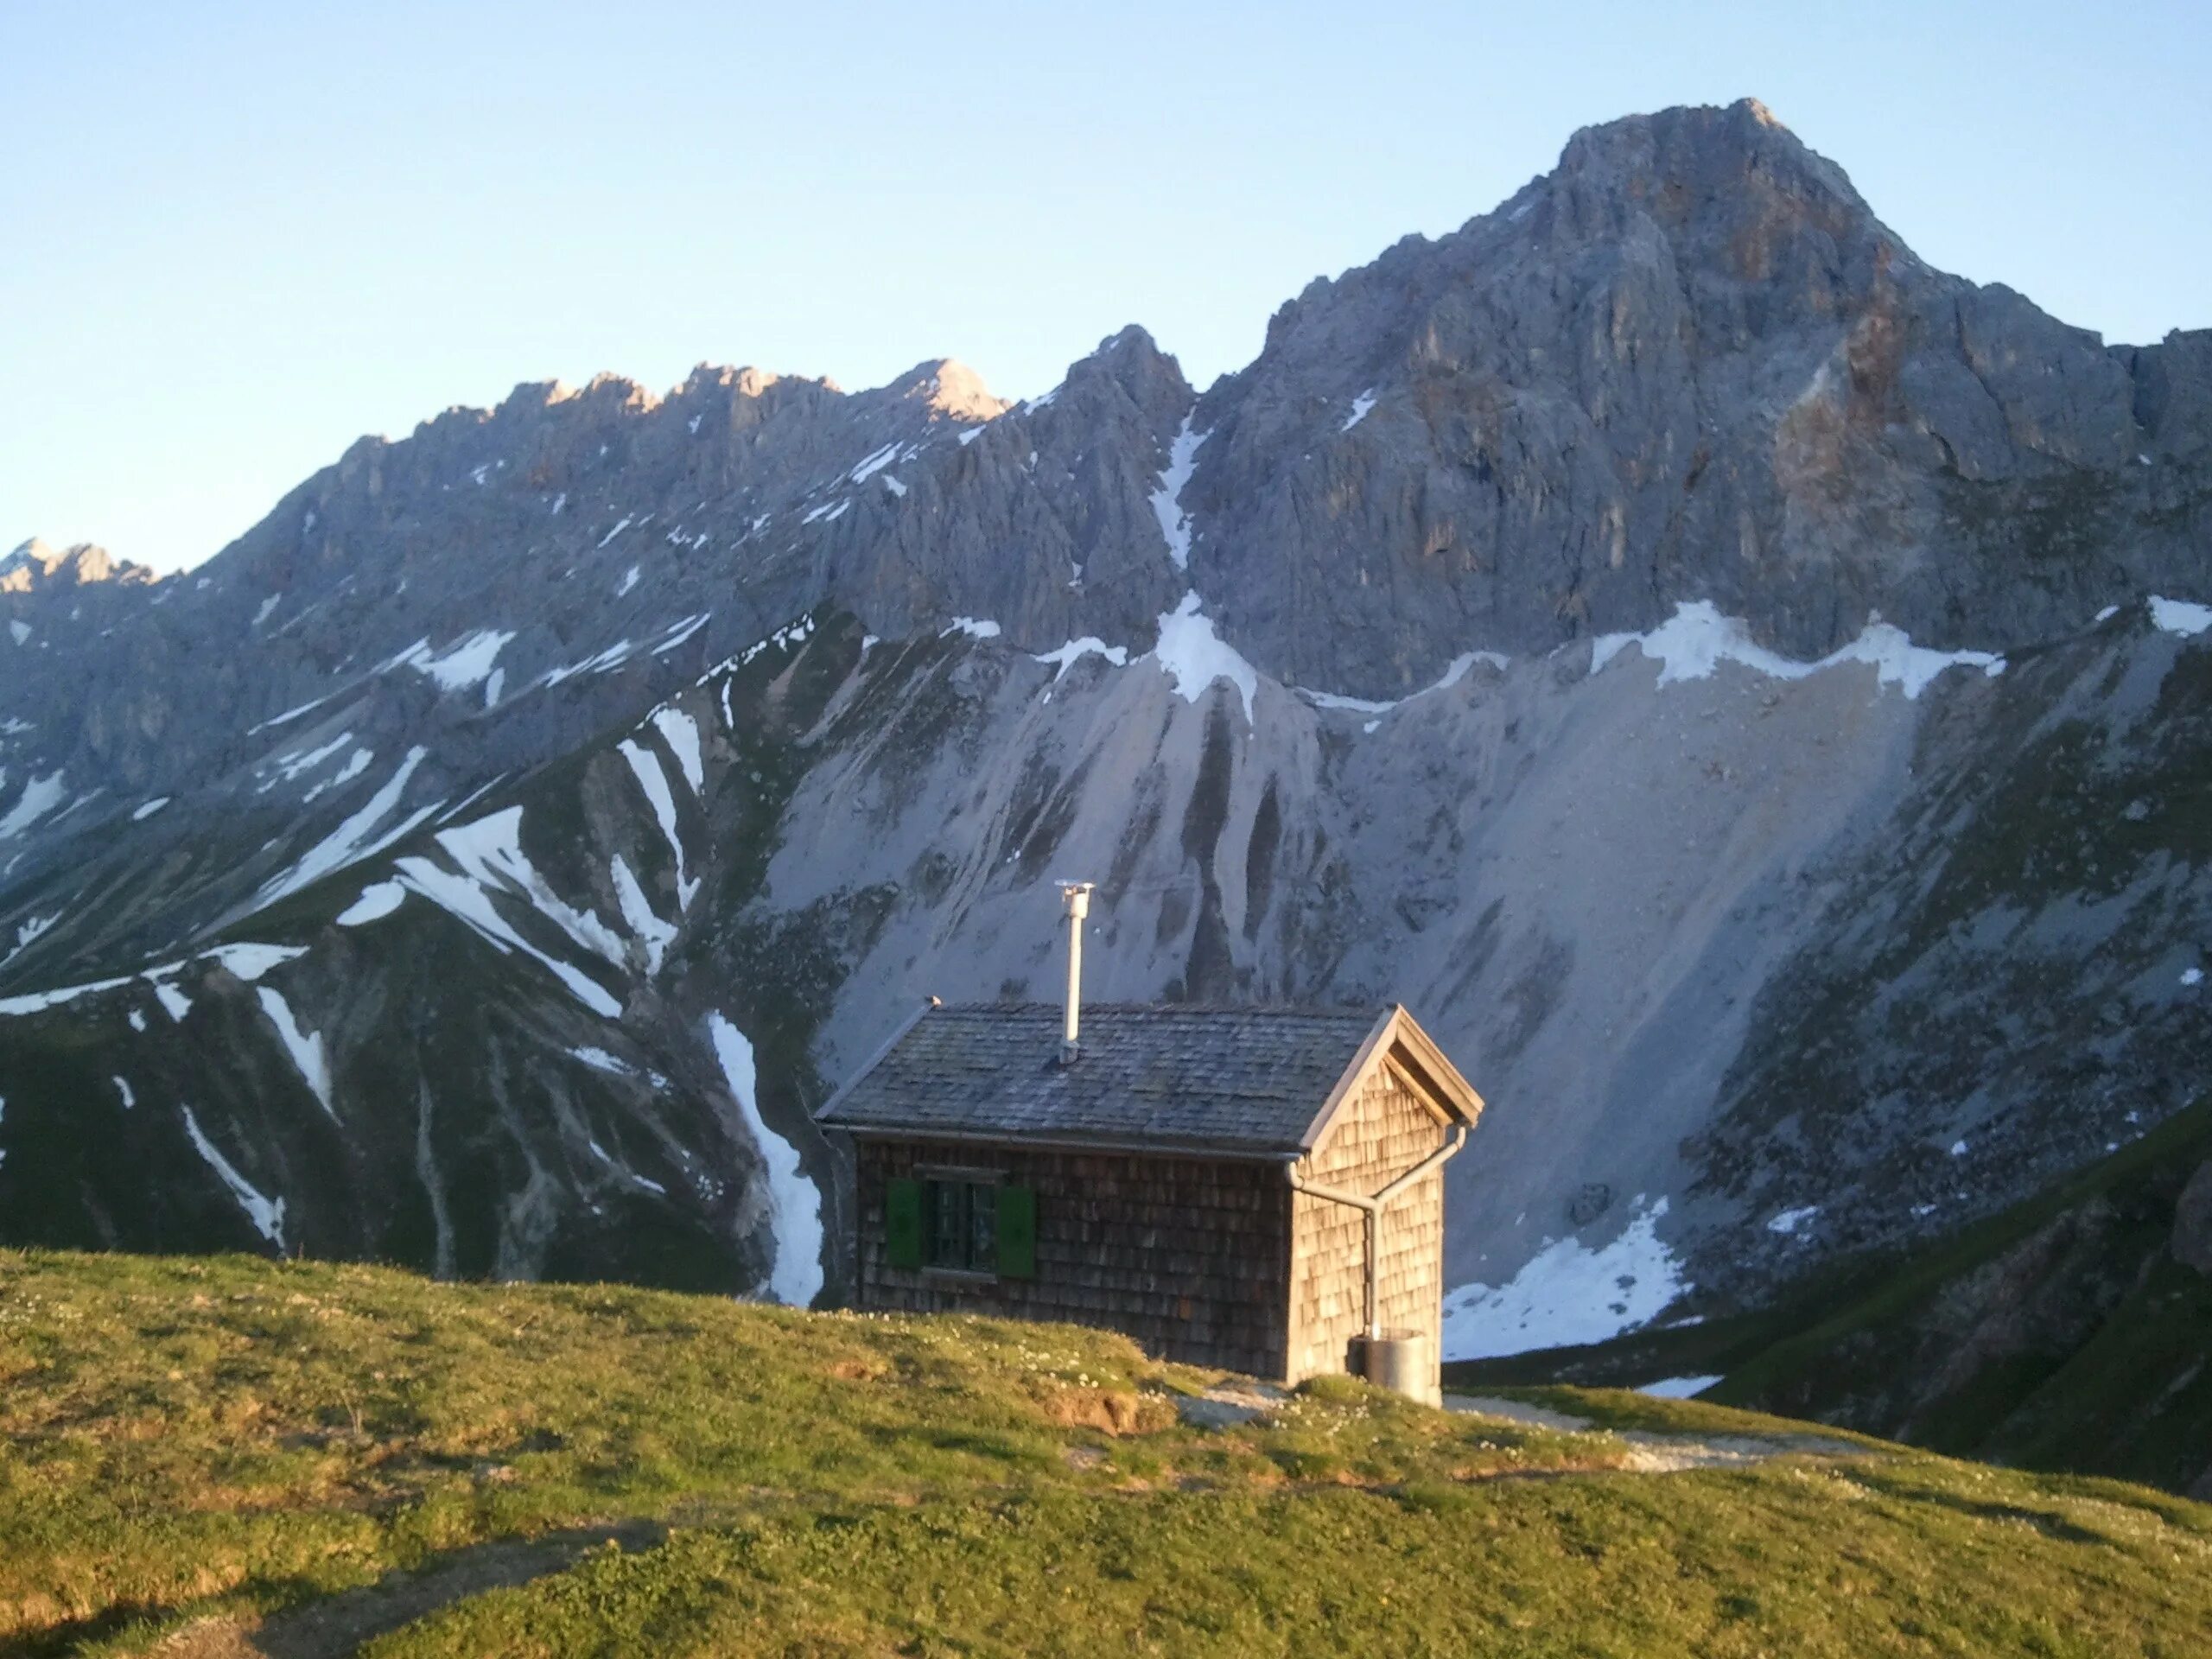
x=239 y=236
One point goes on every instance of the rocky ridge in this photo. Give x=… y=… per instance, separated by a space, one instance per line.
x=1460 y=650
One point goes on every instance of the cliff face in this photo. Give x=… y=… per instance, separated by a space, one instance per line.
x=1690 y=364
x=1735 y=683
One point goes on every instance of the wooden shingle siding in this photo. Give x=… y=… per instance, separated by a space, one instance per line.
x=1188 y=1255
x=1148 y=1176
x=1379 y=1135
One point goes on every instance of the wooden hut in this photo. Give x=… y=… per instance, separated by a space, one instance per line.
x=1259 y=1190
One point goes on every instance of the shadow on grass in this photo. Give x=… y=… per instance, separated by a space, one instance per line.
x=335 y=1625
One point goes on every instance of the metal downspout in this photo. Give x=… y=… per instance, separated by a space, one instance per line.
x=1372 y=1210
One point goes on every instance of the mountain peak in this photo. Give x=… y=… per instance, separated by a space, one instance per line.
x=1702 y=152
x=948 y=387
x=34 y=565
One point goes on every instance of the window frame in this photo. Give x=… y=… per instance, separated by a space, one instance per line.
x=964 y=1263
x=949 y=1236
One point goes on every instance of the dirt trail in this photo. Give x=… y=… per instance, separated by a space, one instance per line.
x=1655 y=1454
x=337 y=1625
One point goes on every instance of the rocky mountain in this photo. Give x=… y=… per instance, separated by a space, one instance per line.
x=1743 y=687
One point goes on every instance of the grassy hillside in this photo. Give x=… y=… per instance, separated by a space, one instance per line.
x=222 y=1457
x=2062 y=1334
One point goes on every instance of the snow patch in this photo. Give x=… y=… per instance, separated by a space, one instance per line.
x=356 y=838
x=40 y=797
x=1460 y=666
x=613 y=658
x=489 y=853
x=356 y=764
x=795 y=1201
x=465 y=662
x=1568 y=1294
x=29 y=930
x=1677 y=1388
x=629 y=579
x=378 y=900
x=681 y=632
x=1787 y=1222
x=1698 y=639
x=147 y=810
x=1075 y=650
x=1193 y=656
x=681 y=733
x=250 y=962
x=782 y=639
x=288 y=715
x=304 y=1047
x=974 y=627
x=39 y=1001
x=1334 y=700
x=2179 y=616
x=466 y=901
x=655 y=935
x=874 y=463
x=295 y=763
x=651 y=780
x=600 y=1060
x=1167 y=495
x=1360 y=405
x=266 y=1214
x=123 y=1091
x=1455 y=673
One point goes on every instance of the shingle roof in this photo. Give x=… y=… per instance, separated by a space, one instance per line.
x=1249 y=1081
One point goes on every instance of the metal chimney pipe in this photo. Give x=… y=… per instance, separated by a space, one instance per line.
x=1076 y=896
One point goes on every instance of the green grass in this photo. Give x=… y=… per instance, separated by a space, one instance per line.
x=191 y=1446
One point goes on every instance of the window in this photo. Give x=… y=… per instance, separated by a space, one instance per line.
x=964 y=1232
x=958 y=1221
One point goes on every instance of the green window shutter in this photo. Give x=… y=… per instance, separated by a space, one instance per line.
x=1017 y=1232
x=902 y=1223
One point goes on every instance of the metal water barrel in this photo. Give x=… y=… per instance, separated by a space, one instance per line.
x=1404 y=1362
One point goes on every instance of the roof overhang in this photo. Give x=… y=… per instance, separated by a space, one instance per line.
x=1212 y=1151
x=1397 y=1041
x=824 y=1113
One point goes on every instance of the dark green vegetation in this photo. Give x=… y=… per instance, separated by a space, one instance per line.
x=2068 y=1333
x=227 y=1456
